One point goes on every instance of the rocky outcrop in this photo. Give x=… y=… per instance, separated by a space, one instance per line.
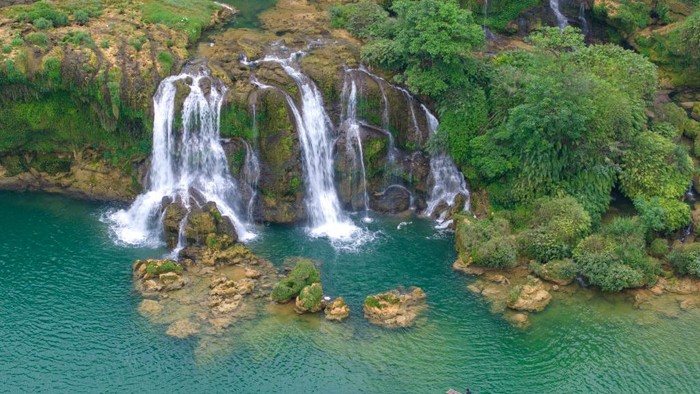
x=310 y=299
x=395 y=309
x=302 y=275
x=530 y=297
x=337 y=310
x=394 y=199
x=208 y=292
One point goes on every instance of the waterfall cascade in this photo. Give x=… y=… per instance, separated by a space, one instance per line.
x=448 y=181
x=250 y=177
x=582 y=19
x=314 y=128
x=353 y=137
x=188 y=165
x=561 y=18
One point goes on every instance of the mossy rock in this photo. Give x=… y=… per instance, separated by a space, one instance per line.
x=310 y=299
x=303 y=274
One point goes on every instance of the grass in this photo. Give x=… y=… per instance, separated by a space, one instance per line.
x=189 y=16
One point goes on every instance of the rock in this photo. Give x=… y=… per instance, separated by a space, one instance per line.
x=497 y=278
x=183 y=329
x=394 y=199
x=303 y=274
x=532 y=297
x=150 y=308
x=394 y=309
x=309 y=299
x=468 y=269
x=151 y=286
x=474 y=289
x=251 y=273
x=171 y=281
x=688 y=304
x=337 y=310
x=657 y=290
x=175 y=212
x=520 y=320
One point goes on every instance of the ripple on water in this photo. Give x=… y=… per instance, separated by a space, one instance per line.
x=70 y=323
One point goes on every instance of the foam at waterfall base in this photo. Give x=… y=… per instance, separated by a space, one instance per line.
x=345 y=236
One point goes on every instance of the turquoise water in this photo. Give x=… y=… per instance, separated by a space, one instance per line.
x=248 y=11
x=68 y=323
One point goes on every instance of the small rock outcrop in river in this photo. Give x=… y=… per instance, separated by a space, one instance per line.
x=302 y=275
x=337 y=310
x=530 y=297
x=394 y=308
x=310 y=299
x=212 y=288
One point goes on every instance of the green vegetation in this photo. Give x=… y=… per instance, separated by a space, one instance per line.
x=487 y=242
x=686 y=259
x=304 y=274
x=615 y=258
x=157 y=267
x=310 y=298
x=188 y=16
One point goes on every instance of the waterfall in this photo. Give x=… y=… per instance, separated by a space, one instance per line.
x=385 y=109
x=185 y=163
x=313 y=125
x=561 y=18
x=582 y=18
x=353 y=134
x=251 y=176
x=448 y=182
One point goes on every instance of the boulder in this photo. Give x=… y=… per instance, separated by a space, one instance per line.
x=337 y=310
x=303 y=274
x=175 y=212
x=394 y=199
x=310 y=299
x=394 y=308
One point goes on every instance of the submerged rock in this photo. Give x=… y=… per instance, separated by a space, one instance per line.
x=395 y=309
x=337 y=310
x=183 y=329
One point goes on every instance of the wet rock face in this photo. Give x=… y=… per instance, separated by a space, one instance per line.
x=395 y=309
x=394 y=199
x=153 y=276
x=204 y=225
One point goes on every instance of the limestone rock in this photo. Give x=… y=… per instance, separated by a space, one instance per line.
x=394 y=199
x=532 y=297
x=309 y=299
x=183 y=329
x=395 y=309
x=149 y=308
x=337 y=310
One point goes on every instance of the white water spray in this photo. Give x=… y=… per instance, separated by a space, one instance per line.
x=561 y=18
x=353 y=137
x=183 y=162
x=314 y=128
x=448 y=181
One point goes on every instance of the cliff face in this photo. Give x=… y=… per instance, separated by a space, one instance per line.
x=76 y=82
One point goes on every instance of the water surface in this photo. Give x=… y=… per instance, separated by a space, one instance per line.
x=68 y=323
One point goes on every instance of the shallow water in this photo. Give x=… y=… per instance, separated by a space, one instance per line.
x=68 y=322
x=248 y=11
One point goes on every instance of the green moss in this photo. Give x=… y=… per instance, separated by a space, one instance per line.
x=372 y=302
x=166 y=61
x=236 y=121
x=160 y=267
x=188 y=16
x=304 y=274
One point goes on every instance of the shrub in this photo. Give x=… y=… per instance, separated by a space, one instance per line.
x=7 y=49
x=157 y=267
x=81 y=17
x=686 y=259
x=42 y=23
x=563 y=269
x=663 y=215
x=655 y=166
x=614 y=259
x=17 y=41
x=38 y=39
x=486 y=242
x=79 y=38
x=658 y=248
x=364 y=19
x=499 y=252
x=137 y=43
x=304 y=274
x=558 y=225
x=104 y=44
